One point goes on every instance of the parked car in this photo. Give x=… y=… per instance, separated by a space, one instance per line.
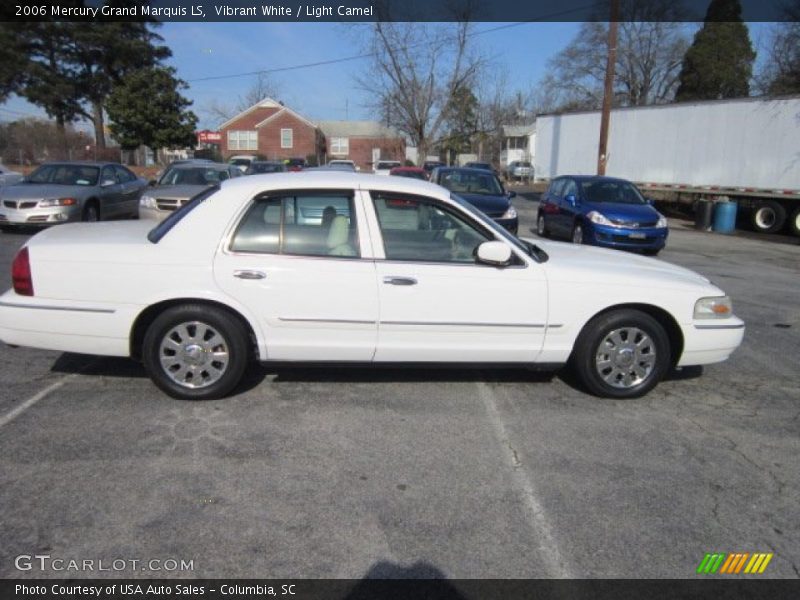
x=382 y=167
x=258 y=167
x=181 y=182
x=9 y=177
x=430 y=165
x=243 y=161
x=601 y=211
x=252 y=269
x=519 y=169
x=71 y=191
x=295 y=164
x=483 y=190
x=343 y=164
x=413 y=172
x=480 y=165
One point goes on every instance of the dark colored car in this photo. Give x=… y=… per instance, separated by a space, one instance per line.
x=483 y=190
x=480 y=165
x=71 y=191
x=602 y=211
x=430 y=165
x=265 y=166
x=295 y=164
x=413 y=172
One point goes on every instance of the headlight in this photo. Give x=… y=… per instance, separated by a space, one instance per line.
x=50 y=202
x=599 y=218
x=719 y=307
x=662 y=222
x=511 y=213
x=147 y=202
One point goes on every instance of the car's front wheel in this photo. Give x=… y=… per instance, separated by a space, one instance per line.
x=195 y=352
x=621 y=354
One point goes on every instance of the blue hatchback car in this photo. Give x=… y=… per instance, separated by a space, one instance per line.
x=602 y=211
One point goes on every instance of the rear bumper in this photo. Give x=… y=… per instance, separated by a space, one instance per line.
x=708 y=342
x=66 y=326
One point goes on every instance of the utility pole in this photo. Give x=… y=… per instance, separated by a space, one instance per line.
x=608 y=90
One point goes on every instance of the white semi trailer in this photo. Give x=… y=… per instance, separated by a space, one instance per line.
x=746 y=149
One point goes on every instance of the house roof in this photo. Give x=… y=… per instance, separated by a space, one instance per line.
x=265 y=103
x=355 y=129
x=286 y=109
x=518 y=130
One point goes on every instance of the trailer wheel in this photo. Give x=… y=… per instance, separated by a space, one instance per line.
x=794 y=221
x=768 y=216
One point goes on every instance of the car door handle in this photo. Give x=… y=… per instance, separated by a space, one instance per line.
x=391 y=280
x=248 y=274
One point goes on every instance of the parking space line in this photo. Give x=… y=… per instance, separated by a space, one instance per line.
x=13 y=414
x=548 y=548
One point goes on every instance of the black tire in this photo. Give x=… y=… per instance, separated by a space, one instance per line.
x=204 y=378
x=794 y=222
x=577 y=234
x=628 y=369
x=8 y=228
x=768 y=216
x=541 y=227
x=652 y=251
x=91 y=212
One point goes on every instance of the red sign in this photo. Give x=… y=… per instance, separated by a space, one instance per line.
x=209 y=137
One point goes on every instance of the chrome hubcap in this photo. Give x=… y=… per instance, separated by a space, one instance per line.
x=625 y=357
x=577 y=236
x=766 y=217
x=540 y=226
x=194 y=354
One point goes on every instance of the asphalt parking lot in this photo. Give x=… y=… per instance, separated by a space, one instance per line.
x=331 y=473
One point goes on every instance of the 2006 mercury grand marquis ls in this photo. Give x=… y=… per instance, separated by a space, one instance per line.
x=355 y=268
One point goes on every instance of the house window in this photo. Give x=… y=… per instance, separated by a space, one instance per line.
x=287 y=138
x=242 y=140
x=340 y=145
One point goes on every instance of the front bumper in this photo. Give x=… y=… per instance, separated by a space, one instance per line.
x=39 y=216
x=153 y=214
x=511 y=224
x=710 y=341
x=643 y=238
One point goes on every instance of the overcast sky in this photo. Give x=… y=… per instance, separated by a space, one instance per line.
x=326 y=92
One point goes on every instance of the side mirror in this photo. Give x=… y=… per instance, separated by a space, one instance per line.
x=108 y=182
x=511 y=194
x=496 y=254
x=650 y=201
x=571 y=199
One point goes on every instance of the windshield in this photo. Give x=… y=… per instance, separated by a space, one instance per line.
x=240 y=162
x=163 y=228
x=388 y=164
x=192 y=176
x=65 y=175
x=526 y=247
x=266 y=168
x=620 y=192
x=471 y=182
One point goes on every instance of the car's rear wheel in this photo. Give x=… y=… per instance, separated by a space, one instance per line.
x=541 y=227
x=195 y=352
x=794 y=221
x=90 y=212
x=577 y=234
x=621 y=354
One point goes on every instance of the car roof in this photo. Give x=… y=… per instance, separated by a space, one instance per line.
x=201 y=165
x=465 y=169
x=334 y=179
x=593 y=178
x=81 y=163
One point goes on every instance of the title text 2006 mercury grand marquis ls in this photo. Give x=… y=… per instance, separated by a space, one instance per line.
x=355 y=268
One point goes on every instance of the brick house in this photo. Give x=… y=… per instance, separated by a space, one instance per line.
x=272 y=130
x=277 y=132
x=363 y=142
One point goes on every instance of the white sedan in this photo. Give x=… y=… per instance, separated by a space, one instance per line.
x=348 y=268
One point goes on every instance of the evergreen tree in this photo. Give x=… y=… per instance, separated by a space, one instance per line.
x=147 y=108
x=719 y=63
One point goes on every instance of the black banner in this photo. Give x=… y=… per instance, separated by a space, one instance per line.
x=400 y=589
x=374 y=10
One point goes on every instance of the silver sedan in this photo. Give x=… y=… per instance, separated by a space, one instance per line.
x=71 y=191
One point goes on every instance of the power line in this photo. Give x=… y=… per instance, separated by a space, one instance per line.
x=371 y=54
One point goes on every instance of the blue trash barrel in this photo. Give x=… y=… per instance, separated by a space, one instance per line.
x=725 y=217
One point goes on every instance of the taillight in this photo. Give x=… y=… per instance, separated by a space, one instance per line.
x=21 y=273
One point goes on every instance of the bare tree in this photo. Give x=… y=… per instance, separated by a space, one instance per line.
x=649 y=54
x=263 y=87
x=416 y=73
x=781 y=73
